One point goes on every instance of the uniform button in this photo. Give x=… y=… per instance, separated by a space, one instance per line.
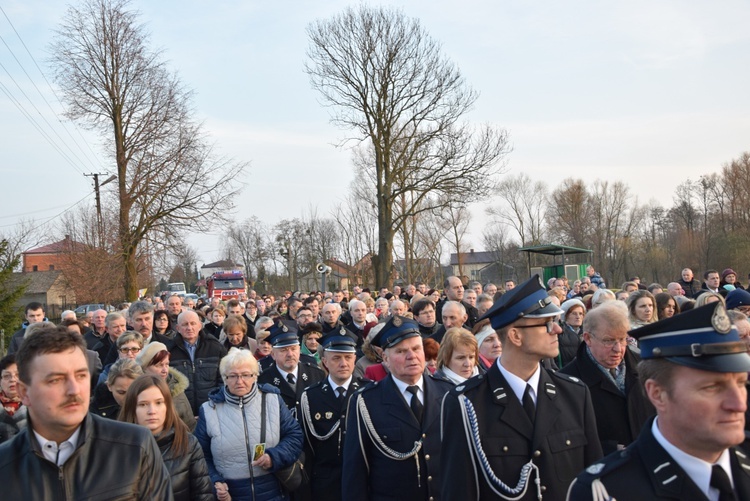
x=432 y=498
x=537 y=454
x=424 y=435
x=429 y=479
x=427 y=457
x=567 y=442
x=543 y=488
x=505 y=448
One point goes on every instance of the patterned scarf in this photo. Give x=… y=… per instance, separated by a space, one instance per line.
x=619 y=380
x=235 y=400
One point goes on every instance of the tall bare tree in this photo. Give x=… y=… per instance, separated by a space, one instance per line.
x=388 y=82
x=524 y=209
x=113 y=82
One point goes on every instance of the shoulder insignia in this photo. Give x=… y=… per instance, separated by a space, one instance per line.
x=550 y=389
x=566 y=377
x=595 y=469
x=464 y=387
x=329 y=415
x=460 y=388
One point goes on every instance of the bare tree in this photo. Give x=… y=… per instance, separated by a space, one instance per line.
x=167 y=178
x=569 y=212
x=456 y=219
x=21 y=237
x=525 y=207
x=248 y=243
x=386 y=80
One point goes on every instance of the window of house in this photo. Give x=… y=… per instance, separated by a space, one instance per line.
x=52 y=267
x=35 y=268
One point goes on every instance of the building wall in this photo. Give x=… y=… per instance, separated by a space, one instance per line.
x=43 y=262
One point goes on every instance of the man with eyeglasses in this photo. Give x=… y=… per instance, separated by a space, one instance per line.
x=609 y=368
x=519 y=431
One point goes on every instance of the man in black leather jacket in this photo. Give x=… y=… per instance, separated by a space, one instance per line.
x=65 y=452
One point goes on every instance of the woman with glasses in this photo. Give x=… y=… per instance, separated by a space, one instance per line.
x=12 y=411
x=129 y=345
x=154 y=359
x=571 y=322
x=240 y=456
x=149 y=403
x=162 y=324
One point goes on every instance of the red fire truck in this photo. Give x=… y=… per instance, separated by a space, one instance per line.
x=227 y=285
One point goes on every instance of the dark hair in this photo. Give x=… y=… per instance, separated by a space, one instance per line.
x=46 y=340
x=69 y=322
x=420 y=305
x=172 y=419
x=165 y=314
x=232 y=303
x=32 y=306
x=708 y=272
x=658 y=369
x=662 y=300
x=310 y=299
x=7 y=361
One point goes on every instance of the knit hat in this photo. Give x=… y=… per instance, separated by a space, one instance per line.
x=728 y=271
x=149 y=352
x=570 y=303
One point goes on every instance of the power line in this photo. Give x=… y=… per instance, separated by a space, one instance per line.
x=51 y=88
x=32 y=212
x=49 y=219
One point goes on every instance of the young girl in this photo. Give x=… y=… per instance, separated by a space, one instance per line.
x=149 y=403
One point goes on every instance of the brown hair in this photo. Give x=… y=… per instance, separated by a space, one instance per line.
x=235 y=321
x=172 y=419
x=46 y=340
x=456 y=336
x=431 y=348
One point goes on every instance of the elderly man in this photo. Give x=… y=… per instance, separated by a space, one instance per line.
x=525 y=422
x=392 y=446
x=287 y=373
x=196 y=355
x=609 y=368
x=322 y=413
x=454 y=315
x=106 y=348
x=397 y=308
x=694 y=371
x=65 y=452
x=675 y=289
x=141 y=316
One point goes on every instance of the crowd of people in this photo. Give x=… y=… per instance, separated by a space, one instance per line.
x=468 y=391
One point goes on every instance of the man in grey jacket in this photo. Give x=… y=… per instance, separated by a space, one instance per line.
x=65 y=452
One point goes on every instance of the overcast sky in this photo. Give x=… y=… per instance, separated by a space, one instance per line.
x=649 y=93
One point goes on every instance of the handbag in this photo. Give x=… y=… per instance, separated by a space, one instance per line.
x=294 y=475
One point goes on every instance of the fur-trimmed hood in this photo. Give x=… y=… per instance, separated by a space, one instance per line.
x=177 y=381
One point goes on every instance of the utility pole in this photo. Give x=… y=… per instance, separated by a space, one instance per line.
x=99 y=223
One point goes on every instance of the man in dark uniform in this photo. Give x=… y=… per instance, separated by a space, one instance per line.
x=608 y=367
x=392 y=446
x=519 y=431
x=322 y=414
x=694 y=370
x=288 y=374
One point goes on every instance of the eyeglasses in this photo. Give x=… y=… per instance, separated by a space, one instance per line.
x=125 y=351
x=10 y=376
x=610 y=343
x=550 y=325
x=236 y=377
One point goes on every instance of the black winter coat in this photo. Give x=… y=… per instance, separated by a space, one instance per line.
x=619 y=417
x=568 y=341
x=189 y=472
x=203 y=373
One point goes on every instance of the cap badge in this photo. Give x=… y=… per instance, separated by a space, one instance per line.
x=343 y=331
x=284 y=328
x=397 y=322
x=720 y=320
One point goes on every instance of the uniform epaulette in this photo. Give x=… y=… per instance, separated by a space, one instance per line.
x=566 y=377
x=315 y=385
x=368 y=386
x=308 y=364
x=608 y=464
x=467 y=385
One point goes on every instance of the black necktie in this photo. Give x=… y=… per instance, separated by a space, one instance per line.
x=528 y=403
x=720 y=481
x=416 y=405
x=290 y=380
x=613 y=372
x=342 y=393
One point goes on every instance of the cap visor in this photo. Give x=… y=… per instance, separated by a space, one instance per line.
x=735 y=362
